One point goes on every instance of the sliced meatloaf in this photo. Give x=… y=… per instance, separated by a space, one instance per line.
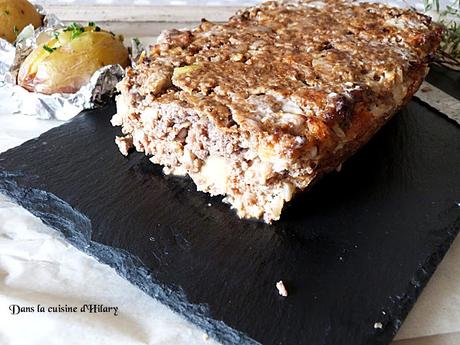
x=257 y=108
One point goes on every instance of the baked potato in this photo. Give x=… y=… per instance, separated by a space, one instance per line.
x=68 y=60
x=15 y=15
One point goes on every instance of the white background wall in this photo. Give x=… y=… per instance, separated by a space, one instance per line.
x=418 y=4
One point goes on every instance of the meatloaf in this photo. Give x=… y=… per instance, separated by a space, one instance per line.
x=259 y=107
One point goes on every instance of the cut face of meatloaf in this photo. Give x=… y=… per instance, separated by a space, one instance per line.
x=257 y=108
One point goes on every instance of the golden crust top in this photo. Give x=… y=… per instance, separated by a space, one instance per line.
x=288 y=68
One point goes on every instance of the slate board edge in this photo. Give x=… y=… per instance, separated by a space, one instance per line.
x=435 y=110
x=76 y=229
x=418 y=282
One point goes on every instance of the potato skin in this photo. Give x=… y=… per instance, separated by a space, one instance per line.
x=17 y=14
x=64 y=64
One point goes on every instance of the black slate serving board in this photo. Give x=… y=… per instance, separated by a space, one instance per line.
x=354 y=251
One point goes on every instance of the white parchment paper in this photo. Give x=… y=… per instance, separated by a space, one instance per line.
x=38 y=267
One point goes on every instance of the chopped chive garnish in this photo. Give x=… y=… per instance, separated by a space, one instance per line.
x=49 y=49
x=77 y=33
x=71 y=27
x=56 y=34
x=76 y=30
x=15 y=30
x=97 y=29
x=91 y=24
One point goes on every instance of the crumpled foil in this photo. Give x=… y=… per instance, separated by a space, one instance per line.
x=60 y=106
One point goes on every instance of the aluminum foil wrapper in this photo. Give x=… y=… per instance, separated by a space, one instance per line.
x=60 y=106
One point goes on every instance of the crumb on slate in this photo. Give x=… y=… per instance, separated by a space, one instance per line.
x=281 y=288
x=125 y=144
x=378 y=325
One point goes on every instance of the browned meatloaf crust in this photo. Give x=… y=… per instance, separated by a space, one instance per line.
x=257 y=108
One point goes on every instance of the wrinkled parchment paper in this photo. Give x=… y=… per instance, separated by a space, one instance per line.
x=39 y=267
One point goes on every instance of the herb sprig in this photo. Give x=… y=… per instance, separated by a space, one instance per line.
x=449 y=18
x=428 y=5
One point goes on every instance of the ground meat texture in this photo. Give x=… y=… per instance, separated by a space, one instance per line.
x=259 y=107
